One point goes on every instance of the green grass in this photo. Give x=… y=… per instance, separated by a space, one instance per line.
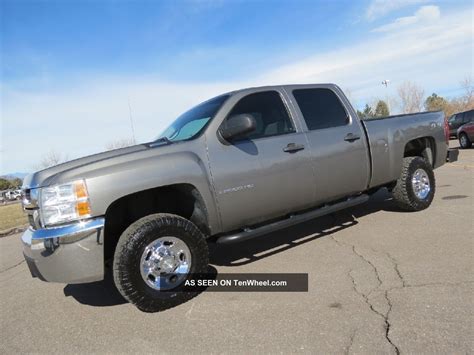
x=12 y=216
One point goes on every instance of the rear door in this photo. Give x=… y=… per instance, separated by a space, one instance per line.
x=337 y=142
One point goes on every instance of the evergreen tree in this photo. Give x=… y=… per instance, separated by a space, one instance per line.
x=381 y=110
x=436 y=103
x=367 y=113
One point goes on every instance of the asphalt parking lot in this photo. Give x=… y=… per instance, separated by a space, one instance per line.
x=380 y=281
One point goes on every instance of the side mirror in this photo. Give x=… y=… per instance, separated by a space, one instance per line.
x=238 y=126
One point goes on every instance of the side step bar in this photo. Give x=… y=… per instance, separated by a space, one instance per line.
x=292 y=220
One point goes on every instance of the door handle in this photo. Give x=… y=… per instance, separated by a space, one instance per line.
x=351 y=137
x=293 y=148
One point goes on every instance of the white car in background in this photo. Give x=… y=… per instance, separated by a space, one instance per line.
x=13 y=195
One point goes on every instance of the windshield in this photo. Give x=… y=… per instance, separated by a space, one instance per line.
x=190 y=123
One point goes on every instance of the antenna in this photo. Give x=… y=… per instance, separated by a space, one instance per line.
x=131 y=121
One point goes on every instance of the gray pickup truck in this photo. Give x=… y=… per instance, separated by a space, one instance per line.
x=235 y=167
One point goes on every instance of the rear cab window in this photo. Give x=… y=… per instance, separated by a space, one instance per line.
x=321 y=108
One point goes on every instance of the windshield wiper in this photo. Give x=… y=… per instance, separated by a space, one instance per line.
x=160 y=141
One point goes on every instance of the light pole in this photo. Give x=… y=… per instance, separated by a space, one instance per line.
x=386 y=82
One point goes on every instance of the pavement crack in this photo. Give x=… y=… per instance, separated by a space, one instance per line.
x=385 y=313
x=351 y=342
x=384 y=317
x=364 y=259
x=12 y=267
x=376 y=272
x=388 y=325
x=365 y=296
x=337 y=241
x=428 y=284
x=397 y=270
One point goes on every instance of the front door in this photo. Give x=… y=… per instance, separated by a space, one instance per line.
x=266 y=174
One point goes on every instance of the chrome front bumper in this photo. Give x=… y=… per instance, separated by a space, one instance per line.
x=67 y=254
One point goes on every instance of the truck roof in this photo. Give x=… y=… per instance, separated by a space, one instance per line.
x=284 y=86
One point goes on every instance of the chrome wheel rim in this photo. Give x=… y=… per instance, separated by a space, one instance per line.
x=421 y=184
x=165 y=262
x=463 y=140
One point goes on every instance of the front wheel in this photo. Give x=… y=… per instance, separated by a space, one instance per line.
x=415 y=187
x=464 y=141
x=154 y=257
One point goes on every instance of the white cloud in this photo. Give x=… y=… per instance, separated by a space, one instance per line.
x=82 y=119
x=437 y=55
x=380 y=8
x=423 y=15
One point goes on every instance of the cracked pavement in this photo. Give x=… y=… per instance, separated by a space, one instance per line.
x=380 y=281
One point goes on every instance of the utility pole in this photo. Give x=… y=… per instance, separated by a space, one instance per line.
x=131 y=121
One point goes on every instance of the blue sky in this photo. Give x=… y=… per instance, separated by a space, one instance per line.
x=69 y=68
x=179 y=41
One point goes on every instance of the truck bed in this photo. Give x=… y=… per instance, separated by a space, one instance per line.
x=388 y=138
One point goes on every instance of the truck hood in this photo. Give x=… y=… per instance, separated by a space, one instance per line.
x=41 y=178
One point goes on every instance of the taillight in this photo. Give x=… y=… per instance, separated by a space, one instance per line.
x=446 y=130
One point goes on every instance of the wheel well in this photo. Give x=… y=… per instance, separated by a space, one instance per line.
x=181 y=199
x=421 y=147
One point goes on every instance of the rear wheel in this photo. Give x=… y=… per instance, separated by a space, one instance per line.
x=154 y=257
x=415 y=188
x=464 y=141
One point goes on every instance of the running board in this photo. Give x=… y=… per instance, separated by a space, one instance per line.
x=249 y=233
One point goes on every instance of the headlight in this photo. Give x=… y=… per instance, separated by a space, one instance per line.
x=64 y=203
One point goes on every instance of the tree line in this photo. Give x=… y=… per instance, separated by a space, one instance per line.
x=411 y=98
x=10 y=184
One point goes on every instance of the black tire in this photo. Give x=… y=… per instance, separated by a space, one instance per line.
x=130 y=247
x=464 y=141
x=403 y=192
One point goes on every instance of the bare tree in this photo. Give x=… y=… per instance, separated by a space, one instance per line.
x=52 y=158
x=464 y=102
x=468 y=98
x=411 y=97
x=120 y=143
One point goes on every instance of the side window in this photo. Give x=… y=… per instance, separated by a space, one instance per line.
x=468 y=116
x=268 y=110
x=321 y=108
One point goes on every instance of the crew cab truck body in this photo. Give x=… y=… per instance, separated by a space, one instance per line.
x=237 y=166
